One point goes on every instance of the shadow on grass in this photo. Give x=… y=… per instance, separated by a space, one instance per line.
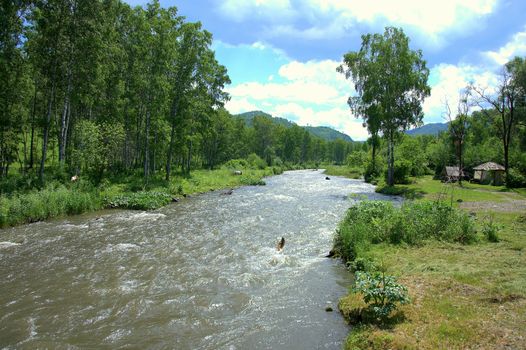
x=408 y=193
x=365 y=317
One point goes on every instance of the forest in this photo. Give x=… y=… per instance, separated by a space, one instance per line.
x=112 y=95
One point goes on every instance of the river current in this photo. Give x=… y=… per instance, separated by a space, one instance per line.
x=200 y=274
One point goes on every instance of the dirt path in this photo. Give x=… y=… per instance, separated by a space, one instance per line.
x=511 y=205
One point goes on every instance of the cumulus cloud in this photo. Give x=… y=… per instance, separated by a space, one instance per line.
x=447 y=81
x=310 y=93
x=515 y=47
x=339 y=118
x=321 y=19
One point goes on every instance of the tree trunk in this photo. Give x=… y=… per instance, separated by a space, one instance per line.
x=170 y=152
x=390 y=161
x=147 y=147
x=189 y=158
x=46 y=132
x=31 y=143
x=64 y=125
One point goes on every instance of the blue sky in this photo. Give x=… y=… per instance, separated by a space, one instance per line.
x=281 y=55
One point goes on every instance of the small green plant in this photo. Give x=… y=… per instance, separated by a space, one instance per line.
x=381 y=292
x=490 y=229
x=363 y=264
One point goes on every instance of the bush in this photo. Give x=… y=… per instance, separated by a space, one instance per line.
x=236 y=164
x=380 y=292
x=402 y=170
x=139 y=200
x=371 y=173
x=490 y=230
x=515 y=179
x=256 y=162
x=373 y=222
x=52 y=201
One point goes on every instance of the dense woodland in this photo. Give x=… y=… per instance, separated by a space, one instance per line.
x=132 y=97
x=97 y=87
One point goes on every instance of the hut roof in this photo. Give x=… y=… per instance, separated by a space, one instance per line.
x=452 y=171
x=489 y=166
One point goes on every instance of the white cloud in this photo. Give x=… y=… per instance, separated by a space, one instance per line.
x=447 y=81
x=313 y=82
x=240 y=105
x=321 y=19
x=515 y=47
x=339 y=118
x=311 y=93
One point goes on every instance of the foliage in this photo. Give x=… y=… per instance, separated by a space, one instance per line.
x=381 y=292
x=515 y=179
x=402 y=169
x=145 y=200
x=256 y=162
x=52 y=201
x=391 y=81
x=490 y=229
x=373 y=222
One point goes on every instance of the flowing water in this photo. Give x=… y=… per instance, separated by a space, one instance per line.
x=200 y=274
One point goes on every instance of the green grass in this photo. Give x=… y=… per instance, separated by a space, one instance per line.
x=427 y=188
x=127 y=192
x=342 y=170
x=463 y=296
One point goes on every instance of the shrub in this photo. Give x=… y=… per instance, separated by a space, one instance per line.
x=236 y=164
x=371 y=173
x=380 y=292
x=256 y=162
x=139 y=200
x=490 y=230
x=515 y=179
x=402 y=170
x=373 y=222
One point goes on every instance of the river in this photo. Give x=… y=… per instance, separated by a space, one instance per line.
x=200 y=274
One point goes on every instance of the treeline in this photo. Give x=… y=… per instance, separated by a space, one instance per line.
x=429 y=154
x=391 y=84
x=98 y=87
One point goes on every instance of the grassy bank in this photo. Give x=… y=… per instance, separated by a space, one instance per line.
x=426 y=187
x=341 y=170
x=464 y=293
x=128 y=192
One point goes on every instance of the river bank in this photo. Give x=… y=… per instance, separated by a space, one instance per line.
x=60 y=199
x=463 y=295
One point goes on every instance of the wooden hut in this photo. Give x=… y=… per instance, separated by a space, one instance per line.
x=489 y=173
x=452 y=174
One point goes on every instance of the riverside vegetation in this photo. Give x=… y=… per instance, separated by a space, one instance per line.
x=464 y=270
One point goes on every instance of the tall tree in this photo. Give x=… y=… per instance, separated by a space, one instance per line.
x=391 y=82
x=13 y=79
x=458 y=128
x=506 y=99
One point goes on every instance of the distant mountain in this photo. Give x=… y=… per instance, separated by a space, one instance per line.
x=249 y=116
x=327 y=133
x=428 y=129
x=323 y=132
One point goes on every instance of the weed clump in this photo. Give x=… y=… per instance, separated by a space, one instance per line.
x=374 y=222
x=145 y=200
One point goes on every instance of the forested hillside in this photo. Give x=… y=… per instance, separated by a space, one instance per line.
x=324 y=132
x=428 y=129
